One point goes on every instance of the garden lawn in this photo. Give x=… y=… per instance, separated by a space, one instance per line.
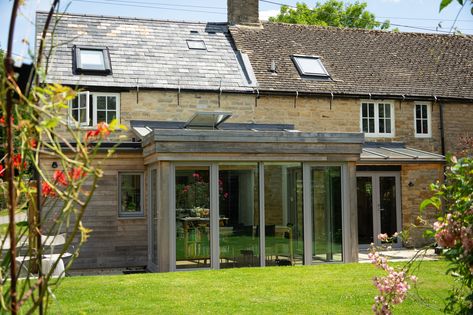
x=321 y=289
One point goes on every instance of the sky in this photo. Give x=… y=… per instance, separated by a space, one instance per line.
x=406 y=15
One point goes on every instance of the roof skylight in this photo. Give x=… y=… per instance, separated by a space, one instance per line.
x=207 y=120
x=91 y=60
x=310 y=66
x=196 y=44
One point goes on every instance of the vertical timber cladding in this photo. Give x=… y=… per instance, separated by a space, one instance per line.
x=415 y=181
x=114 y=241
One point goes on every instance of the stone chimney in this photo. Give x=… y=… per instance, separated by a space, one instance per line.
x=243 y=12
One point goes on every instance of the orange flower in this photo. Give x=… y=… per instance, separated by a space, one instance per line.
x=102 y=130
x=60 y=177
x=47 y=191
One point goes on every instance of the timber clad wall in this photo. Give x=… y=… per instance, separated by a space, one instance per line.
x=114 y=241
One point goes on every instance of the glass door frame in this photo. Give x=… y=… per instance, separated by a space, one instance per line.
x=214 y=210
x=150 y=214
x=346 y=228
x=375 y=175
x=213 y=216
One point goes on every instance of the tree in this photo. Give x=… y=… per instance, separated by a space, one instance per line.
x=445 y=3
x=331 y=13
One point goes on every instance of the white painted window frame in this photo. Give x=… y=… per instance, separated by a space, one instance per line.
x=94 y=122
x=429 y=120
x=376 y=133
x=137 y=214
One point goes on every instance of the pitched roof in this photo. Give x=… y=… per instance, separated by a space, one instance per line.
x=361 y=61
x=150 y=53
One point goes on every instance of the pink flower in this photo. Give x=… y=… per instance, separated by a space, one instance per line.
x=383 y=237
x=196 y=175
x=225 y=195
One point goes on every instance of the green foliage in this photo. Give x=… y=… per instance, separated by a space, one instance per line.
x=331 y=13
x=454 y=230
x=446 y=3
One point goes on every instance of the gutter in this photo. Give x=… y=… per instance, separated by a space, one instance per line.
x=269 y=92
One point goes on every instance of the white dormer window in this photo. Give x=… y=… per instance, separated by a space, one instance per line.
x=422 y=120
x=310 y=66
x=90 y=108
x=377 y=118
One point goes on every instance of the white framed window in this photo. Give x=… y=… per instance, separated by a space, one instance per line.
x=377 y=118
x=422 y=120
x=91 y=60
x=90 y=108
x=130 y=194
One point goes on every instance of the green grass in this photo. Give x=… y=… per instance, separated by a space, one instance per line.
x=322 y=289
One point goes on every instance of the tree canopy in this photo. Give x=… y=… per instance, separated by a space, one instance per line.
x=331 y=13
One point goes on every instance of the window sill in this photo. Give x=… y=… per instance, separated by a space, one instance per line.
x=378 y=135
x=422 y=136
x=131 y=216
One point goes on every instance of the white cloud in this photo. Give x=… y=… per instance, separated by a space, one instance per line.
x=264 y=15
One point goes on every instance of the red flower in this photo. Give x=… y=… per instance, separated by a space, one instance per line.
x=47 y=191
x=17 y=161
x=2 y=170
x=33 y=143
x=76 y=173
x=2 y=121
x=102 y=130
x=60 y=177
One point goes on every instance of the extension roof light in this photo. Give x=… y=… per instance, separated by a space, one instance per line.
x=207 y=120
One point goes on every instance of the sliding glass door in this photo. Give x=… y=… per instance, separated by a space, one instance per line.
x=192 y=214
x=238 y=215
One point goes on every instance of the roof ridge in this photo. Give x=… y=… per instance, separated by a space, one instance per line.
x=363 y=30
x=132 y=18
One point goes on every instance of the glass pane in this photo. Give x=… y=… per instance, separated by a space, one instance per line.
x=283 y=214
x=371 y=109
x=381 y=126
x=365 y=125
x=101 y=102
x=101 y=116
x=82 y=116
x=387 y=111
x=419 y=126
x=424 y=111
x=364 y=110
x=192 y=217
x=387 y=197
x=82 y=100
x=111 y=116
x=92 y=59
x=75 y=114
x=154 y=216
x=388 y=125
x=74 y=103
x=425 y=128
x=326 y=213
x=364 y=189
x=381 y=110
x=130 y=197
x=239 y=215
x=371 y=125
x=418 y=111
x=111 y=102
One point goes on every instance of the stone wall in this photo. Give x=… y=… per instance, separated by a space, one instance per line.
x=458 y=120
x=415 y=181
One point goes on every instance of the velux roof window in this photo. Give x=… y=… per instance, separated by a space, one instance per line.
x=196 y=44
x=91 y=60
x=310 y=66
